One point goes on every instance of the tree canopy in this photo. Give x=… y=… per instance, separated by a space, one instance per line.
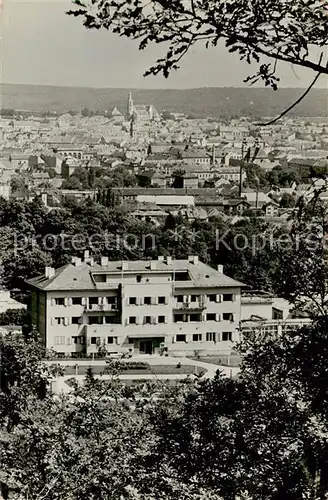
x=261 y=33
x=261 y=435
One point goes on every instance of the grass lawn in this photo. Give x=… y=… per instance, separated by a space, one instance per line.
x=155 y=369
x=173 y=369
x=217 y=360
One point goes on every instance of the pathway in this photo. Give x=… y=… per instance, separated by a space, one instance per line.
x=59 y=384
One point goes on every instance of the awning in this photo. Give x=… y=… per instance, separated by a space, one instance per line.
x=146 y=336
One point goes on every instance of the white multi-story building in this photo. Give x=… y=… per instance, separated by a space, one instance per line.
x=139 y=306
x=263 y=313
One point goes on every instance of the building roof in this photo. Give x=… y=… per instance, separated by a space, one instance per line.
x=194 y=154
x=307 y=162
x=116 y=112
x=79 y=277
x=20 y=156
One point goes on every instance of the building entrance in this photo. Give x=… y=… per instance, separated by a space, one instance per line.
x=146 y=347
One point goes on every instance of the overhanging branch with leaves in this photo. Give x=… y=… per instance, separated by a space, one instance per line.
x=281 y=31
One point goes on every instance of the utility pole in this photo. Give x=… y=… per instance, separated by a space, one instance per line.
x=256 y=145
x=243 y=144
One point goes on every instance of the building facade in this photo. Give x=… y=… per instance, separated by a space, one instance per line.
x=137 y=306
x=264 y=314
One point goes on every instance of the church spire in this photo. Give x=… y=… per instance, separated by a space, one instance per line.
x=130 y=106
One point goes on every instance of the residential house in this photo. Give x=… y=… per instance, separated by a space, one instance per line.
x=70 y=150
x=257 y=199
x=230 y=173
x=159 y=147
x=271 y=209
x=199 y=157
x=19 y=161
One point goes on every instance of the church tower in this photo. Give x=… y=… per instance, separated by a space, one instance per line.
x=130 y=107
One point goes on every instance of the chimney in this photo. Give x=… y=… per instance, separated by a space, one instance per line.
x=76 y=261
x=153 y=265
x=125 y=266
x=104 y=261
x=169 y=261
x=44 y=198
x=86 y=255
x=49 y=272
x=220 y=268
x=161 y=258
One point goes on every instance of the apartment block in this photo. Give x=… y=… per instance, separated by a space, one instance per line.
x=137 y=306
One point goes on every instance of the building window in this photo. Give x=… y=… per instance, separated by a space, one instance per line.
x=76 y=301
x=59 y=340
x=147 y=320
x=132 y=301
x=194 y=298
x=212 y=297
x=132 y=320
x=179 y=298
x=210 y=317
x=161 y=319
x=139 y=278
x=181 y=338
x=76 y=320
x=277 y=314
x=59 y=321
x=197 y=337
x=111 y=340
x=227 y=317
x=60 y=301
x=195 y=317
x=100 y=278
x=110 y=320
x=161 y=300
x=210 y=336
x=226 y=336
x=227 y=297
x=95 y=320
x=147 y=301
x=182 y=276
x=111 y=300
x=93 y=301
x=94 y=340
x=178 y=318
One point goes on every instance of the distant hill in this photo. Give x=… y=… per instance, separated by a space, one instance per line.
x=203 y=102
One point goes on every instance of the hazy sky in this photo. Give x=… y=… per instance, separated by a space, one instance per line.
x=42 y=45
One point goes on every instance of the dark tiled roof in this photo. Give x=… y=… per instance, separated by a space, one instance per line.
x=71 y=277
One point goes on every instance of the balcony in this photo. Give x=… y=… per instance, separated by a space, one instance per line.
x=101 y=308
x=189 y=306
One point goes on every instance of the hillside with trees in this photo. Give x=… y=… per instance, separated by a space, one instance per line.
x=224 y=103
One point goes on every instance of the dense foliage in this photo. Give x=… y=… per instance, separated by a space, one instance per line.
x=262 y=435
x=17 y=317
x=253 y=250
